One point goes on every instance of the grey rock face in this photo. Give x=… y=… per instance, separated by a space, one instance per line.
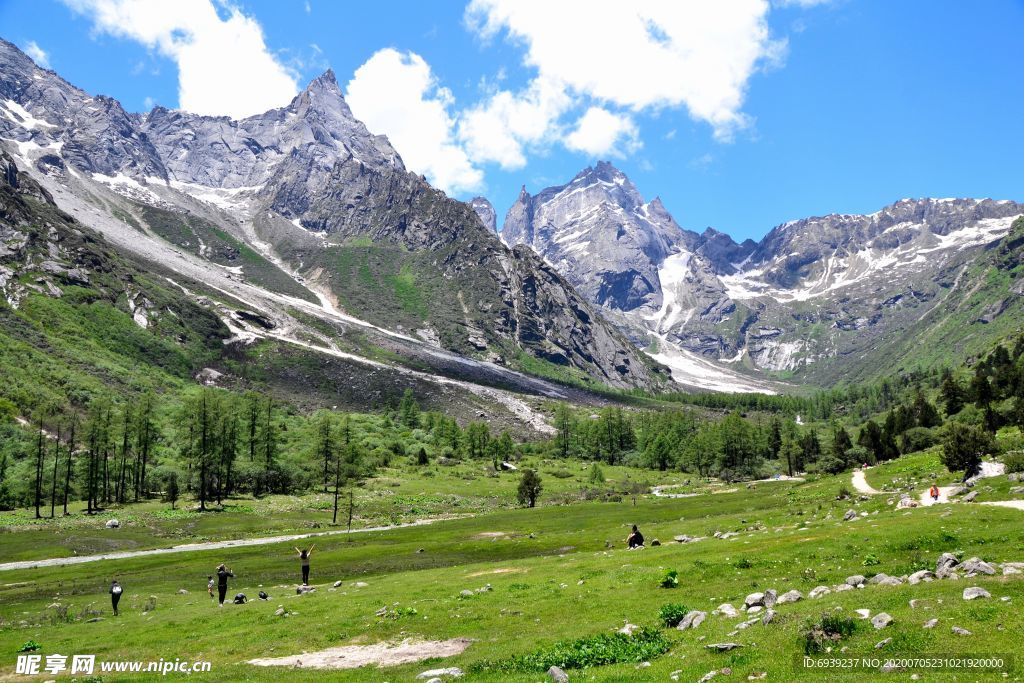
x=312 y=164
x=599 y=232
x=485 y=210
x=863 y=277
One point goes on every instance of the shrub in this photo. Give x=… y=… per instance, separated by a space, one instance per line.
x=672 y=613
x=597 y=650
x=831 y=464
x=30 y=646
x=917 y=439
x=830 y=629
x=743 y=563
x=871 y=560
x=671 y=579
x=1014 y=461
x=843 y=493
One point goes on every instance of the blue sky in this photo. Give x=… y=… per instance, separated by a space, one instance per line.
x=740 y=115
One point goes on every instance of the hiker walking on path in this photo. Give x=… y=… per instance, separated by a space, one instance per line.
x=635 y=539
x=304 y=559
x=934 y=493
x=115 y=595
x=222 y=583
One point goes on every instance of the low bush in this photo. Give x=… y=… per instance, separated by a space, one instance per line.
x=597 y=650
x=672 y=613
x=830 y=629
x=671 y=579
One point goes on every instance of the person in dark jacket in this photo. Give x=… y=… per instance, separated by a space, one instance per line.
x=222 y=583
x=635 y=539
x=115 y=595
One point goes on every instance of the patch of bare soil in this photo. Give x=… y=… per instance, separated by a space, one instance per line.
x=500 y=570
x=490 y=534
x=379 y=654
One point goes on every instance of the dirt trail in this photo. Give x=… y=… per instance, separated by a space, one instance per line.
x=861 y=485
x=659 y=491
x=208 y=545
x=380 y=654
x=988 y=469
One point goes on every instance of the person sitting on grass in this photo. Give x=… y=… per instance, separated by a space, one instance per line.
x=635 y=539
x=304 y=559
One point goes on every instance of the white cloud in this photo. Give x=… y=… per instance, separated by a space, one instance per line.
x=602 y=133
x=37 y=54
x=224 y=65
x=641 y=55
x=800 y=3
x=396 y=94
x=148 y=103
x=498 y=129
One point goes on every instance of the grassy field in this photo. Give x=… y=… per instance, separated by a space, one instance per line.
x=553 y=577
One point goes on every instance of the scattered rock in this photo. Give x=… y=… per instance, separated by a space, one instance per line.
x=769 y=617
x=819 y=592
x=337 y=584
x=753 y=599
x=484 y=589
x=882 y=643
x=881 y=620
x=755 y=609
x=960 y=631
x=850 y=515
x=918 y=577
x=465 y=594
x=692 y=620
x=708 y=676
x=757 y=676
x=975 y=592
x=557 y=675
x=688 y=539
x=976 y=565
x=452 y=671
x=93 y=620
x=855 y=580
x=969 y=498
x=906 y=502
x=863 y=613
x=790 y=596
x=946 y=562
x=727 y=610
x=628 y=629
x=722 y=647
x=302 y=590
x=655 y=542
x=279 y=612
x=182 y=591
x=112 y=524
x=931 y=623
x=770 y=598
x=842 y=587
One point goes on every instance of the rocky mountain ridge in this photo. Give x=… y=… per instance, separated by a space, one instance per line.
x=306 y=191
x=806 y=300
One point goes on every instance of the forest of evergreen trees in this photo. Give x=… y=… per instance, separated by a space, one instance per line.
x=212 y=443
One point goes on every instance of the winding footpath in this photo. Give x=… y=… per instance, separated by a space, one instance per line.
x=988 y=469
x=207 y=545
